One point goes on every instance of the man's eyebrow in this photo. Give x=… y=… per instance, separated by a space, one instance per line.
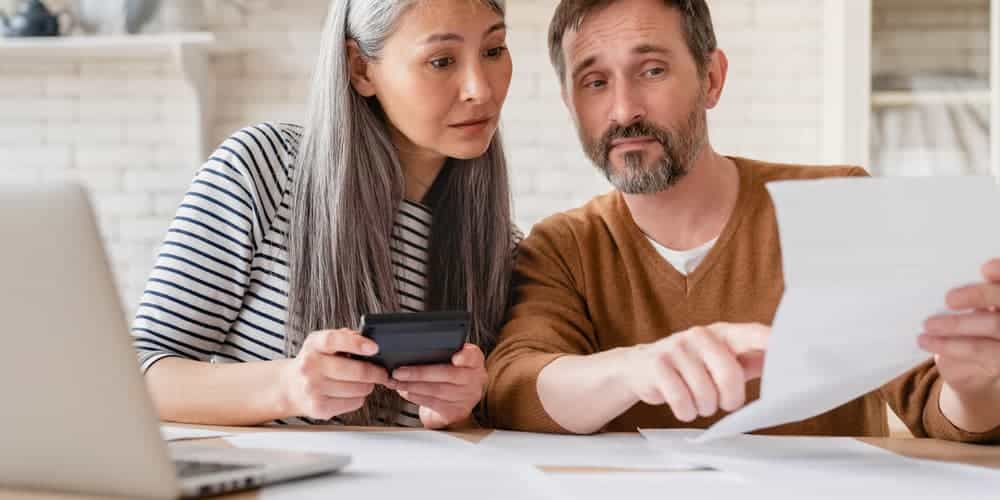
x=583 y=66
x=648 y=48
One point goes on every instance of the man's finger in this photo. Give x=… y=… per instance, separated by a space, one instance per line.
x=991 y=271
x=753 y=364
x=973 y=324
x=691 y=368
x=979 y=296
x=974 y=349
x=722 y=365
x=675 y=393
x=743 y=337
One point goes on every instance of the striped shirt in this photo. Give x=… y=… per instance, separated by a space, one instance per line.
x=219 y=288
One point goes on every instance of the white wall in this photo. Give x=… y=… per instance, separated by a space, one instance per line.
x=115 y=124
x=913 y=36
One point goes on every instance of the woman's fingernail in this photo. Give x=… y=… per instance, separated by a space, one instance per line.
x=401 y=374
x=369 y=349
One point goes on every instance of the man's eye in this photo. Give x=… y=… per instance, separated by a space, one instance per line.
x=655 y=71
x=595 y=84
x=443 y=62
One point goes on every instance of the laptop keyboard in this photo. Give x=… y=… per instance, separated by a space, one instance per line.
x=187 y=468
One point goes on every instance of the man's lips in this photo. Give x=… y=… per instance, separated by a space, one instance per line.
x=632 y=141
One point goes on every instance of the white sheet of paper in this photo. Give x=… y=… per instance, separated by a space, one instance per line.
x=371 y=451
x=824 y=467
x=654 y=486
x=629 y=451
x=422 y=483
x=866 y=261
x=683 y=444
x=176 y=433
x=415 y=464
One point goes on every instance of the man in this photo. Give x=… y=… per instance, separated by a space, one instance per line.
x=604 y=332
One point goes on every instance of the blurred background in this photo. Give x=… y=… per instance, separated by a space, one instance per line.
x=134 y=97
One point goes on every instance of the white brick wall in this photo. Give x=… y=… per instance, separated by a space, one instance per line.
x=121 y=125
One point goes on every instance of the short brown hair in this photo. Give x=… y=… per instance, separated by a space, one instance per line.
x=698 y=29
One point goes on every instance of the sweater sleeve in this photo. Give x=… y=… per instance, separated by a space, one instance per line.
x=197 y=286
x=548 y=319
x=915 y=396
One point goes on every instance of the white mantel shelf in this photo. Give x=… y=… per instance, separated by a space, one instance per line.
x=189 y=51
x=105 y=45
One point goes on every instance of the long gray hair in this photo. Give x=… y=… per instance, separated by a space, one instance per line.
x=348 y=187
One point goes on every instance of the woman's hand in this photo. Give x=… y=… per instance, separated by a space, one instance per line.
x=446 y=394
x=321 y=382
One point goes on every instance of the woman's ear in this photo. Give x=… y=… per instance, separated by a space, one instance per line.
x=358 y=64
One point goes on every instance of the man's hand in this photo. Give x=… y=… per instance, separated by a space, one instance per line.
x=698 y=371
x=966 y=348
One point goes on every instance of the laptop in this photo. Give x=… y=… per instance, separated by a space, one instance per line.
x=75 y=413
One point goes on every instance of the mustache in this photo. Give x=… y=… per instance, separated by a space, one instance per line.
x=638 y=129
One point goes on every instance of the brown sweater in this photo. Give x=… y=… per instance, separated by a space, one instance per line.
x=588 y=281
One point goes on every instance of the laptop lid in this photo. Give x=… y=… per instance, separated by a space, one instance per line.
x=76 y=415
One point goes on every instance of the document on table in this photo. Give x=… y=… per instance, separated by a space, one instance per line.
x=683 y=444
x=626 y=451
x=422 y=483
x=656 y=486
x=866 y=261
x=824 y=467
x=177 y=433
x=387 y=464
x=370 y=450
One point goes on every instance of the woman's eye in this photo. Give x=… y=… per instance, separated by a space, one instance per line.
x=442 y=62
x=496 y=52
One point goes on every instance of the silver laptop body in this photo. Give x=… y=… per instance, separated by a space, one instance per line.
x=75 y=413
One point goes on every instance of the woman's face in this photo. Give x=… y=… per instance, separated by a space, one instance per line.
x=442 y=78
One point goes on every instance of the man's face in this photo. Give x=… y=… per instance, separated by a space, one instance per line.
x=636 y=94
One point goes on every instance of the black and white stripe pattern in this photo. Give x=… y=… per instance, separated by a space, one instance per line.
x=219 y=288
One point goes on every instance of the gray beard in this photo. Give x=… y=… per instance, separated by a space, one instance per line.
x=679 y=151
x=634 y=178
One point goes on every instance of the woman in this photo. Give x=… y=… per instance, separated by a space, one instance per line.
x=394 y=196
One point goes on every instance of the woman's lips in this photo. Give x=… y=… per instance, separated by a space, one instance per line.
x=473 y=125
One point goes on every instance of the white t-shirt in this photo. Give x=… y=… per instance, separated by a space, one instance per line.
x=685 y=262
